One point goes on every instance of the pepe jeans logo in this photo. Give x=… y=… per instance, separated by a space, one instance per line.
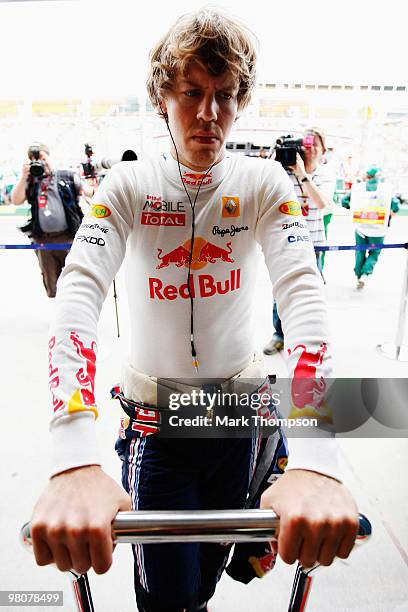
x=100 y=211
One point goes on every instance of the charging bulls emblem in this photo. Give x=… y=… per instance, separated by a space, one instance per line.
x=308 y=391
x=84 y=397
x=204 y=252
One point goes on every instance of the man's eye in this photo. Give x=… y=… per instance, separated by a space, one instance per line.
x=225 y=95
x=191 y=93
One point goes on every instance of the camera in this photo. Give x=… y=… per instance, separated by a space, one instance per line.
x=37 y=167
x=97 y=169
x=286 y=148
x=88 y=166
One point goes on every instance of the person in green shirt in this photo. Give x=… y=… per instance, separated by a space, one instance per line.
x=368 y=233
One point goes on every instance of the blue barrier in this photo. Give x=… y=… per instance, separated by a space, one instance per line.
x=361 y=247
x=58 y=246
x=65 y=246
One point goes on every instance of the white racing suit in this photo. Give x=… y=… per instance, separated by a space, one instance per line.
x=142 y=207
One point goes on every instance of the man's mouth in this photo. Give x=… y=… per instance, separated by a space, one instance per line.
x=205 y=138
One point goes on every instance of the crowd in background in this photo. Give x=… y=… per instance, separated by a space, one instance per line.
x=321 y=180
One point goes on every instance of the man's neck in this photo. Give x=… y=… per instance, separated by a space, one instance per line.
x=193 y=167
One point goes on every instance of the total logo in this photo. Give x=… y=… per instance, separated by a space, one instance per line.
x=204 y=285
x=163 y=212
x=195 y=179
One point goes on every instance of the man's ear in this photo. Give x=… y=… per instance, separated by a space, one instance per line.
x=162 y=108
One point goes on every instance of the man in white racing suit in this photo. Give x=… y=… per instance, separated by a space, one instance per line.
x=191 y=221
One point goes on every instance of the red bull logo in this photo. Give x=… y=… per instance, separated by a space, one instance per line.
x=204 y=252
x=179 y=257
x=211 y=253
x=196 y=178
x=204 y=286
x=84 y=397
x=263 y=565
x=53 y=377
x=307 y=390
x=124 y=424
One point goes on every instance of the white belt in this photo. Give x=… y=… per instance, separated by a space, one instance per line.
x=140 y=387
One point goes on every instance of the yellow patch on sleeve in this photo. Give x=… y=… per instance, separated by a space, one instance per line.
x=76 y=404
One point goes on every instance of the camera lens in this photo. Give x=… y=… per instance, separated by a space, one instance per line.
x=36 y=169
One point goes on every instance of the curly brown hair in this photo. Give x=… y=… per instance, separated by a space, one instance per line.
x=211 y=39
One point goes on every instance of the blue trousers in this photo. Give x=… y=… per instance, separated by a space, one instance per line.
x=183 y=474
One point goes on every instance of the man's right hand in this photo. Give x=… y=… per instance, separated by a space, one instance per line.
x=25 y=172
x=72 y=520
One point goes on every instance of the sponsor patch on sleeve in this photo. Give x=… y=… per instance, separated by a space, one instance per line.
x=99 y=211
x=290 y=208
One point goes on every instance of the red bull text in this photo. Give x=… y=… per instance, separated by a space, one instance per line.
x=204 y=285
x=195 y=179
x=53 y=377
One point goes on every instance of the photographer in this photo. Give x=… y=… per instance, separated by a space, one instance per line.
x=55 y=212
x=314 y=195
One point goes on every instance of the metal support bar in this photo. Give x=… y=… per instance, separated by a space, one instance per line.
x=399 y=351
x=161 y=526
x=150 y=526
x=145 y=526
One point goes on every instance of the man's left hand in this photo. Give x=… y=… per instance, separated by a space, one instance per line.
x=318 y=517
x=299 y=169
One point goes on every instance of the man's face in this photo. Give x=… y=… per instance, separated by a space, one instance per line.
x=201 y=109
x=314 y=154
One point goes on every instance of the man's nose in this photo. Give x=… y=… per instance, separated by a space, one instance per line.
x=208 y=109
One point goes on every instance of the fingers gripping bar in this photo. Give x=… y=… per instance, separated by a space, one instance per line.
x=158 y=526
